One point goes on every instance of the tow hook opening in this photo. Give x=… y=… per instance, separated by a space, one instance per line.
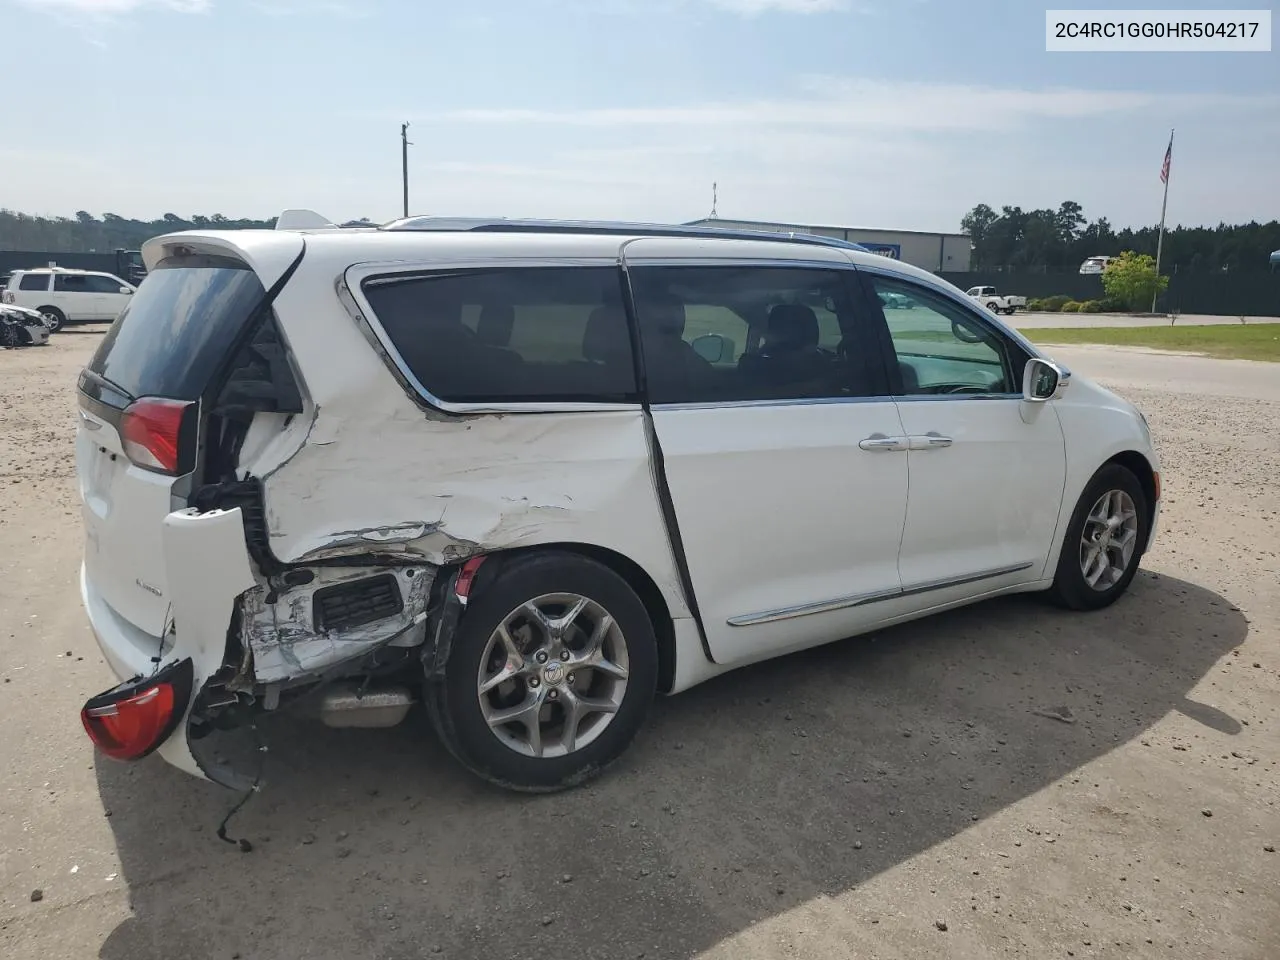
x=130 y=721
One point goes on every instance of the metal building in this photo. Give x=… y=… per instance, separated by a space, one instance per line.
x=932 y=251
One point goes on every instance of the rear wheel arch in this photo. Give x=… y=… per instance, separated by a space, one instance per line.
x=645 y=587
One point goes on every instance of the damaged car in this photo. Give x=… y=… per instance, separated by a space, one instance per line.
x=533 y=474
x=20 y=327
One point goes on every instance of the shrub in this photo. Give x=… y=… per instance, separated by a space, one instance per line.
x=1091 y=306
x=1055 y=303
x=1111 y=305
x=1035 y=303
x=1071 y=307
x=1132 y=279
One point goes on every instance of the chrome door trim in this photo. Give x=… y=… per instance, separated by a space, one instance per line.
x=928 y=585
x=805 y=609
x=857 y=600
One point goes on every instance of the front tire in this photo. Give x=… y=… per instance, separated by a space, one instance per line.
x=1104 y=541
x=55 y=319
x=552 y=671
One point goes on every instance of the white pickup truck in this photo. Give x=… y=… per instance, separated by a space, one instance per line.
x=988 y=297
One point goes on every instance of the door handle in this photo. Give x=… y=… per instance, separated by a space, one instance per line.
x=879 y=442
x=929 y=441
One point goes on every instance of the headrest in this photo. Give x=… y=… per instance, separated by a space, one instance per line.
x=792 y=325
x=605 y=335
x=495 y=323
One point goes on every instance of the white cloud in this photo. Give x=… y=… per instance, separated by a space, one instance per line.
x=850 y=103
x=107 y=7
x=754 y=7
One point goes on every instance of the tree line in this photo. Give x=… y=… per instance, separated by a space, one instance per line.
x=85 y=233
x=1025 y=239
x=1064 y=238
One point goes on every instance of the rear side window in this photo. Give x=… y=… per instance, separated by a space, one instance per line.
x=34 y=281
x=179 y=327
x=72 y=283
x=519 y=334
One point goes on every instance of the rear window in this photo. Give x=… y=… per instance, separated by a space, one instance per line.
x=518 y=334
x=178 y=328
x=34 y=281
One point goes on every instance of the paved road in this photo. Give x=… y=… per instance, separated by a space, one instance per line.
x=1133 y=368
x=830 y=805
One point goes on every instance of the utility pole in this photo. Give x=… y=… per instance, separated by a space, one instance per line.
x=404 y=163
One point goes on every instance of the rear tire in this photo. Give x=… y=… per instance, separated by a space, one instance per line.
x=1094 y=566
x=570 y=717
x=55 y=318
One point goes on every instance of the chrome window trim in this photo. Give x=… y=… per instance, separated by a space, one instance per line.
x=351 y=293
x=857 y=600
x=782 y=263
x=786 y=402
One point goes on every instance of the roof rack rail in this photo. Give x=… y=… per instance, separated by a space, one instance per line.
x=617 y=227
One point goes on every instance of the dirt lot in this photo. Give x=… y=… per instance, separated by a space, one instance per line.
x=895 y=796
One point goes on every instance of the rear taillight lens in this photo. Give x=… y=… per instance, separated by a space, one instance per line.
x=151 y=429
x=132 y=720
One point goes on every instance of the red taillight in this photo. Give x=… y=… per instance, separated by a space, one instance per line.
x=131 y=728
x=151 y=429
x=130 y=721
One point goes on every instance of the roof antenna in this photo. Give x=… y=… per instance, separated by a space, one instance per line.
x=714 y=190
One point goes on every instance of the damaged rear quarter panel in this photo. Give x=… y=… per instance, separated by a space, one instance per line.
x=438 y=491
x=379 y=474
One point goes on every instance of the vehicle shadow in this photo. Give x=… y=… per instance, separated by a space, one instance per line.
x=745 y=798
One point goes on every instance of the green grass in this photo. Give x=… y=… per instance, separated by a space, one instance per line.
x=1252 y=341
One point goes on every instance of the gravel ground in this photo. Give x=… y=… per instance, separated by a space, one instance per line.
x=1005 y=781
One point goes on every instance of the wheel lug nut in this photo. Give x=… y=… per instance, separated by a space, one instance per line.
x=533 y=681
x=541 y=656
x=569 y=678
x=552 y=695
x=564 y=655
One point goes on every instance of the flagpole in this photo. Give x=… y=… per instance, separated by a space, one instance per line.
x=1160 y=241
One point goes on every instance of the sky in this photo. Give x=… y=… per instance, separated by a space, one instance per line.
x=899 y=114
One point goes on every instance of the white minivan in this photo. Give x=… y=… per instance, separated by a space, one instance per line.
x=533 y=474
x=65 y=296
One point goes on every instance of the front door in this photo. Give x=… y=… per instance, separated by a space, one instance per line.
x=777 y=441
x=987 y=468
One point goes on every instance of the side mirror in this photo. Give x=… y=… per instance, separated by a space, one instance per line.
x=126 y=290
x=1040 y=380
x=966 y=334
x=713 y=348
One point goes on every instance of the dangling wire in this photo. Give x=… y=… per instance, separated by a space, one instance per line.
x=244 y=845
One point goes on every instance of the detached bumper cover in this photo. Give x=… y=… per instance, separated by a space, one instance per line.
x=208 y=568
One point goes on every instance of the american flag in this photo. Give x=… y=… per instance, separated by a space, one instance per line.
x=1168 y=159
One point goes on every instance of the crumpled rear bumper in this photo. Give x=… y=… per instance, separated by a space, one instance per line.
x=208 y=569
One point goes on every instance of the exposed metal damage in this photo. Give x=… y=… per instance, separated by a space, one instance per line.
x=287 y=642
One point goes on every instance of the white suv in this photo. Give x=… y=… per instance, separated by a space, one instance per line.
x=68 y=296
x=534 y=473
